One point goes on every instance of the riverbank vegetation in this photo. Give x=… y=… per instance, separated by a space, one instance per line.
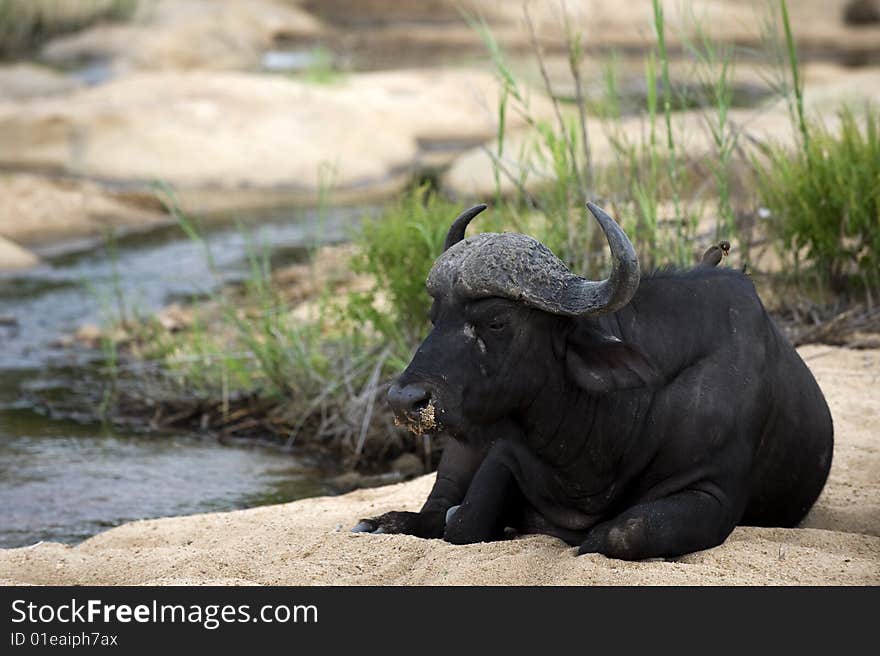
x=305 y=355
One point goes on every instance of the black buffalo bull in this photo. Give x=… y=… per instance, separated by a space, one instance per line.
x=635 y=418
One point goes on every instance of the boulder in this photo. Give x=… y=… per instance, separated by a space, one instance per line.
x=42 y=212
x=23 y=80
x=527 y=164
x=408 y=465
x=861 y=12
x=187 y=34
x=13 y=256
x=26 y=24
x=237 y=140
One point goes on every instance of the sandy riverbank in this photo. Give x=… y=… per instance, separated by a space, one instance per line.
x=307 y=542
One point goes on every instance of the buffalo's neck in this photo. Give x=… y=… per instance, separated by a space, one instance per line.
x=592 y=440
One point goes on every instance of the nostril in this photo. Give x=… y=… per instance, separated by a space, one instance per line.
x=409 y=398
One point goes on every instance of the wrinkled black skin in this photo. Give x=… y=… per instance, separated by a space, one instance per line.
x=701 y=417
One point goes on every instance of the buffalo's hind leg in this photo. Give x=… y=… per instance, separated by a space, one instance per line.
x=681 y=523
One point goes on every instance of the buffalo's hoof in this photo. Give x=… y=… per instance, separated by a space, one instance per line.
x=370 y=526
x=592 y=545
x=428 y=525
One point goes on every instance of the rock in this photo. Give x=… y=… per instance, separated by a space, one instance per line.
x=829 y=87
x=174 y=317
x=749 y=84
x=346 y=482
x=89 y=335
x=352 y=480
x=13 y=256
x=63 y=342
x=39 y=211
x=238 y=140
x=19 y=81
x=861 y=12
x=28 y=23
x=472 y=174
x=187 y=34
x=408 y=465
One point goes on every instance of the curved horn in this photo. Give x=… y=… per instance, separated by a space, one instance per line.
x=456 y=230
x=586 y=297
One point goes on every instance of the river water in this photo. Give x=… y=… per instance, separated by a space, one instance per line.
x=63 y=480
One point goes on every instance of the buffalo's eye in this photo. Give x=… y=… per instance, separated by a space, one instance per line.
x=496 y=325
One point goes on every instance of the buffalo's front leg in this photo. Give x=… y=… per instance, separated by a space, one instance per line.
x=514 y=488
x=491 y=501
x=457 y=466
x=688 y=521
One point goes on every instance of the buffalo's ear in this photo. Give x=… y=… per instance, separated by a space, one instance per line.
x=601 y=363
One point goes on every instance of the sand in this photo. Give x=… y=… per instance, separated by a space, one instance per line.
x=307 y=542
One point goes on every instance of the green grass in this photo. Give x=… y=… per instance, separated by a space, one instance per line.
x=823 y=196
x=275 y=353
x=824 y=199
x=397 y=249
x=794 y=66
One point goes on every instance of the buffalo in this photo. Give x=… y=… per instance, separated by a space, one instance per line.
x=635 y=417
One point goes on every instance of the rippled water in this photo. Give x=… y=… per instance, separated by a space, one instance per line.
x=65 y=481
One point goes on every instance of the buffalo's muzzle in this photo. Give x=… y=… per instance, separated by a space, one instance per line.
x=413 y=408
x=408 y=400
